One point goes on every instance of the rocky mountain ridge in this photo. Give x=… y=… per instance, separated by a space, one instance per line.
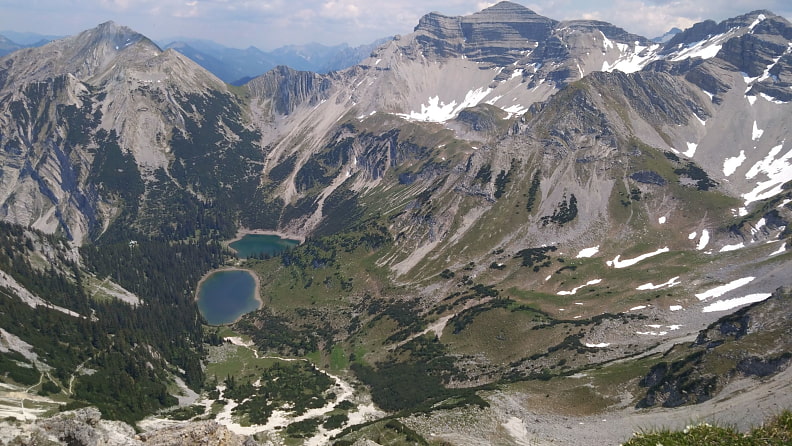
x=560 y=54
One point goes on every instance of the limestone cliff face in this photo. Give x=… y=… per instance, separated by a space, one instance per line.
x=286 y=89
x=66 y=103
x=500 y=34
x=85 y=427
x=109 y=103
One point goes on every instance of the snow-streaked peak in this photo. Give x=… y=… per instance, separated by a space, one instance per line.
x=633 y=59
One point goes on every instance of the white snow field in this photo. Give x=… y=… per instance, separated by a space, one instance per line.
x=719 y=291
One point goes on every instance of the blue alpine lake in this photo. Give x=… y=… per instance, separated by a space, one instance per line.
x=260 y=244
x=225 y=295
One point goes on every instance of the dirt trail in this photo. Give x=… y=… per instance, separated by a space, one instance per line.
x=73 y=375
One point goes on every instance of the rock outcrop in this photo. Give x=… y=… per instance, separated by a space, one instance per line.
x=85 y=427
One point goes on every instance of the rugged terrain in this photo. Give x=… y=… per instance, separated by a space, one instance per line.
x=238 y=66
x=507 y=218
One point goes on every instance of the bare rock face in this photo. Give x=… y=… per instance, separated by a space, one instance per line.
x=204 y=433
x=60 y=103
x=179 y=129
x=85 y=427
x=286 y=88
x=82 y=427
x=500 y=34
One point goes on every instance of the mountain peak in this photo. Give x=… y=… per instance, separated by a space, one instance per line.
x=506 y=6
x=108 y=25
x=109 y=32
x=86 y=54
x=499 y=34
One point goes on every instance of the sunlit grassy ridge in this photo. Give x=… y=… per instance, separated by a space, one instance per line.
x=777 y=431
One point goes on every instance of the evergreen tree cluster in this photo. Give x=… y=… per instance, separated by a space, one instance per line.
x=533 y=191
x=130 y=350
x=565 y=213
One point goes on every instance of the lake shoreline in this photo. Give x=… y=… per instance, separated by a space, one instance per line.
x=242 y=232
x=256 y=289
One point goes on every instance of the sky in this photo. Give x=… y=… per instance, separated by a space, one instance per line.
x=269 y=24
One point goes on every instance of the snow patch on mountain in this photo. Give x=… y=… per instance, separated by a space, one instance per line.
x=759 y=19
x=757 y=132
x=777 y=170
x=730 y=165
x=515 y=110
x=703 y=241
x=576 y=289
x=436 y=111
x=705 y=49
x=780 y=250
x=632 y=61
x=769 y=98
x=735 y=247
x=588 y=252
x=719 y=291
x=606 y=43
x=759 y=225
x=616 y=263
x=691 y=150
x=650 y=286
x=729 y=304
x=600 y=345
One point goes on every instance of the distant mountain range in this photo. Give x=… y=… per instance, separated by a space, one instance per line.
x=232 y=65
x=237 y=66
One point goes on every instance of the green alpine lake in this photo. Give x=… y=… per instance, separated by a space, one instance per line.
x=225 y=295
x=252 y=245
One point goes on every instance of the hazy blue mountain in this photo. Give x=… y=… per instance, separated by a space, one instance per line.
x=667 y=36
x=236 y=66
x=7 y=46
x=29 y=38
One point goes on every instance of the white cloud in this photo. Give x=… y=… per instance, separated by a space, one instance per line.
x=271 y=23
x=652 y=18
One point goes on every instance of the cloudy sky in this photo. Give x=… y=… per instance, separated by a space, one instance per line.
x=269 y=24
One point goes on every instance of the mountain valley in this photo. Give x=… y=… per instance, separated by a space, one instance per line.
x=515 y=230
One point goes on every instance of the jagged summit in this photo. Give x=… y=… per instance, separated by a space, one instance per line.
x=111 y=33
x=88 y=54
x=759 y=21
x=108 y=34
x=610 y=30
x=499 y=34
x=505 y=7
